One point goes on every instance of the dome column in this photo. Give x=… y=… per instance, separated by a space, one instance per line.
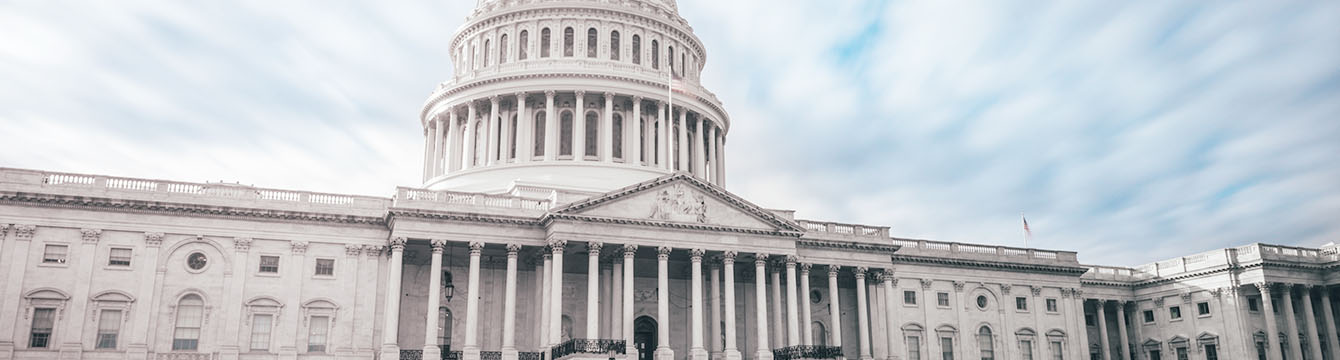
x=683 y=125
x=468 y=155
x=713 y=170
x=607 y=130
x=428 y=155
x=550 y=131
x=524 y=130
x=439 y=146
x=699 y=155
x=634 y=153
x=492 y=144
x=453 y=142
x=579 y=128
x=663 y=136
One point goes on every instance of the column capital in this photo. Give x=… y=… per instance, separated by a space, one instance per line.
x=557 y=246
x=696 y=255
x=860 y=272
x=240 y=244
x=1036 y=290
x=373 y=251
x=90 y=236
x=513 y=249
x=25 y=232
x=1217 y=292
x=353 y=250
x=760 y=259
x=438 y=245
x=959 y=285
x=1158 y=302
x=1005 y=289
x=833 y=270
x=397 y=243
x=470 y=105
x=549 y=94
x=805 y=268
x=581 y=94
x=715 y=263
x=629 y=250
x=520 y=95
x=791 y=261
x=1186 y=297
x=888 y=277
x=4 y=230
x=663 y=252
x=926 y=284
x=151 y=239
x=1263 y=287
x=637 y=99
x=609 y=96
x=494 y=99
x=298 y=247
x=593 y=247
x=728 y=257
x=476 y=247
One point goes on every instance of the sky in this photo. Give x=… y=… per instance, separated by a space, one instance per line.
x=1130 y=132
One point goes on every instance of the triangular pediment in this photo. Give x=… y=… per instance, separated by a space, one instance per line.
x=680 y=199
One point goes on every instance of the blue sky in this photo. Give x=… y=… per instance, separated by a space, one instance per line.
x=1128 y=131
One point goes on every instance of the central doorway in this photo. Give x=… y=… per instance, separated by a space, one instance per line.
x=644 y=337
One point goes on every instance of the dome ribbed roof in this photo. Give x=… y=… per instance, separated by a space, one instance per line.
x=485 y=4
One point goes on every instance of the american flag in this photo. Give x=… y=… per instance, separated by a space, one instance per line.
x=1028 y=233
x=677 y=83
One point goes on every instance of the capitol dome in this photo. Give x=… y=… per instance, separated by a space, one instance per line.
x=572 y=95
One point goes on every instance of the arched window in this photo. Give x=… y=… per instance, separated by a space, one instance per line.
x=544 y=43
x=190 y=316
x=511 y=140
x=486 y=54
x=523 y=43
x=443 y=326
x=984 y=342
x=614 y=45
x=669 y=58
x=565 y=134
x=538 y=131
x=820 y=334
x=616 y=131
x=655 y=55
x=592 y=134
x=567 y=42
x=591 y=42
x=637 y=49
x=502 y=49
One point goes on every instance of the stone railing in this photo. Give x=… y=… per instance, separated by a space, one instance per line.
x=845 y=229
x=411 y=354
x=406 y=196
x=529 y=355
x=183 y=356
x=1213 y=259
x=807 y=352
x=587 y=346
x=1002 y=253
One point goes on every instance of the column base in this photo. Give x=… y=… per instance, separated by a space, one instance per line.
x=664 y=353
x=510 y=354
x=698 y=354
x=470 y=353
x=291 y=353
x=866 y=357
x=731 y=355
x=631 y=353
x=74 y=351
x=228 y=353
x=763 y=355
x=133 y=352
x=390 y=352
x=716 y=355
x=432 y=352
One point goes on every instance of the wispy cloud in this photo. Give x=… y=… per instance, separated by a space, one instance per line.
x=1127 y=131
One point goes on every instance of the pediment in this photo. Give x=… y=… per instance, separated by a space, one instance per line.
x=682 y=200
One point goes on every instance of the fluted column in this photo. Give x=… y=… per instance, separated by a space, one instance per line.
x=433 y=135
x=662 y=136
x=471 y=349
x=684 y=140
x=778 y=334
x=1102 y=329
x=439 y=146
x=629 y=252
x=428 y=154
x=390 y=347
x=1330 y=322
x=806 y=324
x=890 y=311
x=699 y=154
x=550 y=127
x=862 y=315
x=763 y=352
x=732 y=352
x=468 y=153
x=634 y=155
x=1295 y=350
x=525 y=130
x=491 y=145
x=430 y=349
x=556 y=293
x=1121 y=326
x=1313 y=341
x=579 y=128
x=546 y=287
x=593 y=289
x=452 y=151
x=712 y=170
x=505 y=130
x=721 y=160
x=715 y=324
x=834 y=312
x=509 y=351
x=663 y=351
x=606 y=135
x=792 y=308
x=696 y=350
x=1272 y=332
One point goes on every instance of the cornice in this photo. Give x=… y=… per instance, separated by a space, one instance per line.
x=460 y=216
x=994 y=265
x=157 y=207
x=551 y=217
x=1211 y=271
x=847 y=245
x=567 y=11
x=786 y=226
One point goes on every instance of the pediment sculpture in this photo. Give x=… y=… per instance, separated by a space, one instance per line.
x=678 y=203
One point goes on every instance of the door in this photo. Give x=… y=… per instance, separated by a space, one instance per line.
x=1154 y=355
x=644 y=337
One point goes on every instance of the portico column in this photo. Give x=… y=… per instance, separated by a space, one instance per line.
x=451 y=153
x=635 y=149
x=715 y=335
x=728 y=263
x=1121 y=326
x=509 y=351
x=430 y=349
x=862 y=315
x=1272 y=334
x=763 y=352
x=471 y=349
x=834 y=312
x=546 y=287
x=593 y=289
x=890 y=313
x=698 y=152
x=1330 y=322
x=663 y=351
x=556 y=293
x=607 y=130
x=468 y=153
x=579 y=128
x=806 y=324
x=390 y=347
x=792 y=308
x=492 y=145
x=629 y=251
x=1102 y=329
x=1313 y=341
x=1295 y=350
x=550 y=130
x=696 y=350
x=778 y=334
x=525 y=130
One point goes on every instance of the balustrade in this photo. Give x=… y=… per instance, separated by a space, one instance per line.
x=807 y=352
x=587 y=346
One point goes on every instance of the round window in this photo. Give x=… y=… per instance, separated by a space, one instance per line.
x=196 y=261
x=981 y=301
x=816 y=296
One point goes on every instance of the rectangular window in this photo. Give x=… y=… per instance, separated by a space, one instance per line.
x=1253 y=304
x=1212 y=352
x=54 y=254
x=1056 y=351
x=260 y=331
x=1155 y=355
x=118 y=257
x=1088 y=319
x=1181 y=354
x=325 y=267
x=1051 y=305
x=1260 y=350
x=270 y=264
x=109 y=326
x=43 y=319
x=1148 y=316
x=1175 y=312
x=316 y=334
x=1021 y=303
x=946 y=348
x=1026 y=347
x=910 y=297
x=1203 y=308
x=942 y=299
x=913 y=348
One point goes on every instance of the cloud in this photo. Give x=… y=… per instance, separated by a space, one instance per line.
x=1130 y=132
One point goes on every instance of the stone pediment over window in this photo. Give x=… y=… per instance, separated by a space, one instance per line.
x=678 y=200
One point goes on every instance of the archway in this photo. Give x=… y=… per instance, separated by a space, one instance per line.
x=644 y=337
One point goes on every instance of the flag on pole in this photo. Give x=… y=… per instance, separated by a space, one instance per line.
x=1028 y=233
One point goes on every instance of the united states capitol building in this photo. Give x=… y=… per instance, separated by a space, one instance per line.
x=574 y=205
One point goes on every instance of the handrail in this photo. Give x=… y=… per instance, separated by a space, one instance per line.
x=807 y=352
x=587 y=346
